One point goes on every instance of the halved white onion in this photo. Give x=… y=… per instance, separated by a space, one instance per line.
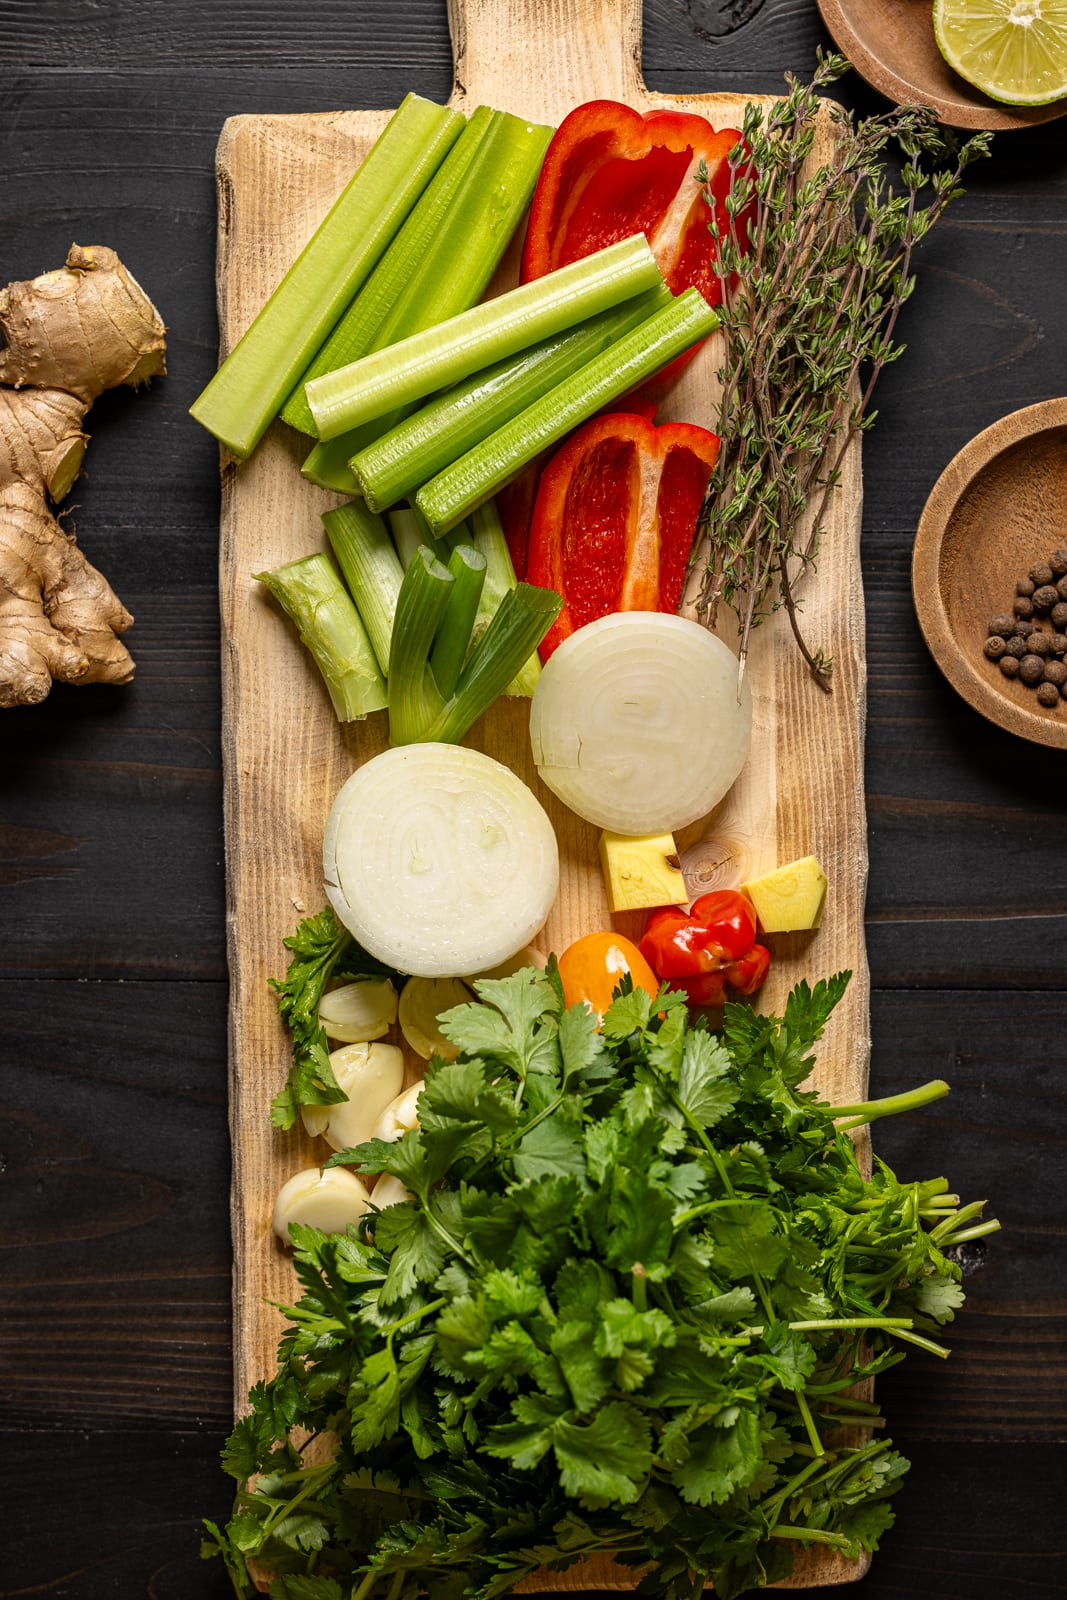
x=439 y=859
x=327 y=1199
x=371 y=1075
x=636 y=723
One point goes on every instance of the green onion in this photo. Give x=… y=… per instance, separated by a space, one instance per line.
x=414 y=699
x=409 y=529
x=396 y=464
x=454 y=266
x=450 y=351
x=453 y=637
x=487 y=537
x=248 y=390
x=420 y=707
x=356 y=332
x=455 y=492
x=370 y=567
x=519 y=624
x=312 y=594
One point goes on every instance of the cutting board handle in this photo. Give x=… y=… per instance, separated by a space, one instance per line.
x=510 y=48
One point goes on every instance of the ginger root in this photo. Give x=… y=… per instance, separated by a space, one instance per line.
x=66 y=337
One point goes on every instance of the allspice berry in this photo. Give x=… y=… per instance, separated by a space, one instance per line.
x=1048 y=694
x=1002 y=624
x=1022 y=606
x=1058 y=562
x=1038 y=643
x=994 y=647
x=1061 y=587
x=1058 y=615
x=1057 y=644
x=1041 y=573
x=1025 y=586
x=1044 y=599
x=1056 y=672
x=1023 y=625
x=1009 y=665
x=1031 y=669
x=1015 y=646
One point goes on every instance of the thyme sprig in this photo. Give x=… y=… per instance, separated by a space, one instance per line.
x=814 y=269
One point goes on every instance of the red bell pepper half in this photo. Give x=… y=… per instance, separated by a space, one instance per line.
x=615 y=516
x=515 y=501
x=610 y=172
x=710 y=951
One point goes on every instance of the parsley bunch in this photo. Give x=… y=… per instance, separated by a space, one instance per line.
x=321 y=950
x=630 y=1307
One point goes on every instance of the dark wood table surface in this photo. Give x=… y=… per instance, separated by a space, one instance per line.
x=114 y=1150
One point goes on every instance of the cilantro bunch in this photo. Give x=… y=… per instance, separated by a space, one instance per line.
x=631 y=1307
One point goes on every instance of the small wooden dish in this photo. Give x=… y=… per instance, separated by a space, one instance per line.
x=998 y=507
x=891 y=43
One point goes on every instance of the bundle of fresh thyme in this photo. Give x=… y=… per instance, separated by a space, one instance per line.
x=814 y=269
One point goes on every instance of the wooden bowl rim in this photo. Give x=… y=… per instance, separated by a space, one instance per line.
x=1011 y=431
x=981 y=112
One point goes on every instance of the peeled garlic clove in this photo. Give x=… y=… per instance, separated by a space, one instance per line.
x=325 y=1199
x=388 y=1191
x=400 y=1117
x=358 y=1011
x=421 y=1002
x=371 y=1075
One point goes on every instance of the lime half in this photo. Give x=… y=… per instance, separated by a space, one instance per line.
x=1013 y=50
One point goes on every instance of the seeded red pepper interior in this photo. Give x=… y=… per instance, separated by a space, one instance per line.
x=615 y=516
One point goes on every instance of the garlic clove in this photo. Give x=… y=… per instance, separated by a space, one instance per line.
x=421 y=1002
x=371 y=1075
x=356 y=1012
x=327 y=1199
x=388 y=1191
x=399 y=1117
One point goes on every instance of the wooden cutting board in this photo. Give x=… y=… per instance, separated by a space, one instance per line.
x=284 y=754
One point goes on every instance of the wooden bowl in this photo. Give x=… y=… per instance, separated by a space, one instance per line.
x=999 y=507
x=891 y=43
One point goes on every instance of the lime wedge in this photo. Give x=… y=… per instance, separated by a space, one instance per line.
x=1013 y=50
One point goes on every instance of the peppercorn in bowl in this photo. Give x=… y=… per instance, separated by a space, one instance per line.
x=989 y=573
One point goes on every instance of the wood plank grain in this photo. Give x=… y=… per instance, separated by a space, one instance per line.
x=284 y=756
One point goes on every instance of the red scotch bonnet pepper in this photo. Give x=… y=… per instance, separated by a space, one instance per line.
x=709 y=951
x=615 y=516
x=610 y=172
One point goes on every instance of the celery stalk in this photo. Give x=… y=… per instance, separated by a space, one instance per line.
x=453 y=637
x=370 y=567
x=327 y=462
x=426 y=442
x=356 y=332
x=312 y=594
x=471 y=480
x=249 y=388
x=450 y=351
x=454 y=267
x=409 y=530
x=407 y=533
x=487 y=537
